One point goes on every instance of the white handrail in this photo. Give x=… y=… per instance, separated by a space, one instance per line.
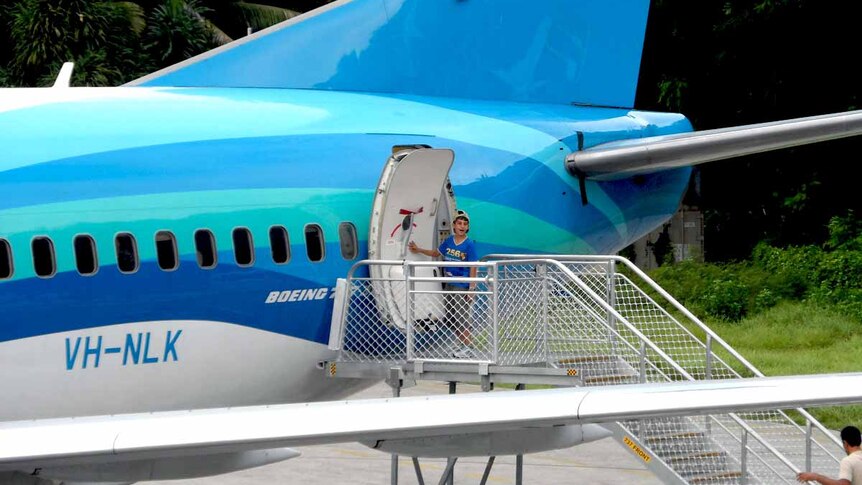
x=601 y=314
x=748 y=365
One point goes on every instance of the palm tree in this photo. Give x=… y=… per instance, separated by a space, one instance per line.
x=45 y=33
x=231 y=19
x=172 y=35
x=227 y=20
x=5 y=43
x=104 y=38
x=176 y=31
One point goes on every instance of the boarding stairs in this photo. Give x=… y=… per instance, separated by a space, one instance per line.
x=567 y=320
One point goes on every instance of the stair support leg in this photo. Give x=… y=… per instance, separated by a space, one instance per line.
x=449 y=473
x=448 y=477
x=396 y=382
x=519 y=459
x=519 y=470
x=419 y=478
x=487 y=470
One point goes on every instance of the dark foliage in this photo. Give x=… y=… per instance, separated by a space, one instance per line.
x=732 y=62
x=113 y=42
x=829 y=276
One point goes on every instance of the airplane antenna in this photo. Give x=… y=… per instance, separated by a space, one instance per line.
x=64 y=79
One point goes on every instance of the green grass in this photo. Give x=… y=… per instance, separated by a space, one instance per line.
x=800 y=338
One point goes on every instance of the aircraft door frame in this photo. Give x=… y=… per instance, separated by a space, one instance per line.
x=414 y=201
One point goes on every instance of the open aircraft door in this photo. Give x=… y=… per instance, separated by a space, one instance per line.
x=414 y=202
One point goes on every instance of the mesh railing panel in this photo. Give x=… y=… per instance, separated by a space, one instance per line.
x=461 y=327
x=370 y=331
x=533 y=313
x=385 y=322
x=690 y=353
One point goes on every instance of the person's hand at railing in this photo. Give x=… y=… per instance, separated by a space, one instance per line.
x=808 y=477
x=415 y=249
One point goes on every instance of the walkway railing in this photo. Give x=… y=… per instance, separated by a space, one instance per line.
x=581 y=314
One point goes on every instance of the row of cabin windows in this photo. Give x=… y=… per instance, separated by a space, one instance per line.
x=167 y=256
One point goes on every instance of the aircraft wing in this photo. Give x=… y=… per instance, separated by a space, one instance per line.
x=57 y=442
x=631 y=157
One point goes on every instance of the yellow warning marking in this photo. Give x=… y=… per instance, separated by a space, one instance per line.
x=637 y=449
x=572 y=372
x=332 y=369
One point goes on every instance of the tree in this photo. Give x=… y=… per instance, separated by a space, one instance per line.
x=176 y=32
x=43 y=34
x=231 y=19
x=732 y=62
x=104 y=38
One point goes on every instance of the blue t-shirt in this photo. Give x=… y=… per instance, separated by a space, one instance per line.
x=466 y=251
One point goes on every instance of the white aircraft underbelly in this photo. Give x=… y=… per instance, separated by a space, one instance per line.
x=160 y=365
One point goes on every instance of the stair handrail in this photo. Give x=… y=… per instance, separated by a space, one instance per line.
x=715 y=337
x=606 y=307
x=651 y=282
x=571 y=275
x=760 y=439
x=707 y=347
x=554 y=260
x=667 y=296
x=643 y=338
x=616 y=333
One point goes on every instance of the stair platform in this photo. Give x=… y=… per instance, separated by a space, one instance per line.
x=456 y=371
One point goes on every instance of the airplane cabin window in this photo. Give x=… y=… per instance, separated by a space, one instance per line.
x=348 y=240
x=279 y=241
x=205 y=246
x=127 y=253
x=85 y=255
x=44 y=262
x=243 y=247
x=314 y=244
x=5 y=259
x=166 y=250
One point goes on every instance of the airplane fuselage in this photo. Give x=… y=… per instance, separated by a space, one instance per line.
x=161 y=166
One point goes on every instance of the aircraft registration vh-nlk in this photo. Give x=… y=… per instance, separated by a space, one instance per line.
x=174 y=244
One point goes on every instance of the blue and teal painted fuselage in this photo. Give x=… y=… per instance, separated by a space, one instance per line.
x=139 y=161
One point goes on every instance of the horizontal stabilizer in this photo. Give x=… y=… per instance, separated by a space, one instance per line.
x=555 y=51
x=50 y=442
x=631 y=157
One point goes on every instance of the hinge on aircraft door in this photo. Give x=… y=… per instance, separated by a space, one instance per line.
x=582 y=177
x=407 y=148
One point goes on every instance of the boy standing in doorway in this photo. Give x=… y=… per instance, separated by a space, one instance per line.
x=460 y=248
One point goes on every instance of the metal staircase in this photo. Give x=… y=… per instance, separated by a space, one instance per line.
x=575 y=320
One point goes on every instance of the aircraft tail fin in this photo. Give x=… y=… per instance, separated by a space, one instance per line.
x=554 y=51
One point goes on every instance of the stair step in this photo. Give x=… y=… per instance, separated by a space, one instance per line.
x=588 y=358
x=698 y=464
x=677 y=444
x=611 y=378
x=654 y=427
x=696 y=456
x=674 y=436
x=724 y=477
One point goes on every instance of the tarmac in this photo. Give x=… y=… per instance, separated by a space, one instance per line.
x=601 y=462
